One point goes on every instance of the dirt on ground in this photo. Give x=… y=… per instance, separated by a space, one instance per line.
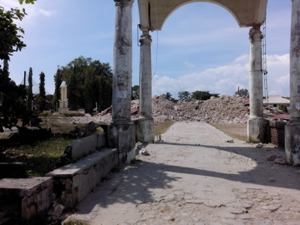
x=196 y=177
x=238 y=131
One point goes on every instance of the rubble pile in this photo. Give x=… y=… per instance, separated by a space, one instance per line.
x=225 y=109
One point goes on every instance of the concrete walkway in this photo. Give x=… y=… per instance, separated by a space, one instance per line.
x=196 y=177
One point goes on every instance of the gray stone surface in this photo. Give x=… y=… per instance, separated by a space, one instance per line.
x=63 y=102
x=145 y=74
x=87 y=145
x=145 y=130
x=292 y=143
x=196 y=177
x=292 y=139
x=122 y=62
x=75 y=181
x=122 y=129
x=256 y=130
x=256 y=122
x=25 y=199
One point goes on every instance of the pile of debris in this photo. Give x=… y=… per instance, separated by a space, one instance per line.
x=225 y=109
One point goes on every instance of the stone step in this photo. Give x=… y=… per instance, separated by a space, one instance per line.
x=25 y=199
x=75 y=181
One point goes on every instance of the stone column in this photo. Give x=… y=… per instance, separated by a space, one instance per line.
x=292 y=132
x=63 y=102
x=122 y=127
x=256 y=122
x=145 y=125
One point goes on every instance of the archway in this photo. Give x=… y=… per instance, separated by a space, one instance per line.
x=248 y=13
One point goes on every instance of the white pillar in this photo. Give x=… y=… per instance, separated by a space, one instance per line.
x=63 y=102
x=122 y=128
x=122 y=68
x=256 y=121
x=292 y=136
x=145 y=132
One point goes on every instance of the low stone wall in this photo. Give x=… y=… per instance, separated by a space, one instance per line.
x=277 y=133
x=85 y=146
x=75 y=181
x=24 y=200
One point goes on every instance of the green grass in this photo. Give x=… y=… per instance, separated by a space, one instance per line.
x=75 y=222
x=161 y=128
x=40 y=158
x=237 y=131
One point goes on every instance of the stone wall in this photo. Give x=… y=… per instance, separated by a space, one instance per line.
x=277 y=133
x=24 y=200
x=75 y=181
x=85 y=146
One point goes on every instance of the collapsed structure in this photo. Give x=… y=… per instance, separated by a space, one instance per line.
x=153 y=13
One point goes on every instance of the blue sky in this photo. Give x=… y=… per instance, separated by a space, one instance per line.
x=201 y=46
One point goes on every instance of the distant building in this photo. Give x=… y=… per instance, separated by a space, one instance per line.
x=276 y=100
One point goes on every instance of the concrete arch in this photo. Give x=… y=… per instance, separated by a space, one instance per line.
x=179 y=5
x=153 y=13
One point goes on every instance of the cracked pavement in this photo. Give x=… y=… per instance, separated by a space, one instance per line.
x=197 y=177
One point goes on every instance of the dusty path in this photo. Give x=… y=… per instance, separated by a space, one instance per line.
x=195 y=177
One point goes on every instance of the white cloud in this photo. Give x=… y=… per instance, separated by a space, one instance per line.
x=225 y=79
x=45 y=12
x=197 y=38
x=31 y=10
x=9 y=3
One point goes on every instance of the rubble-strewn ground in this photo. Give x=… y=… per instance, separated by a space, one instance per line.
x=223 y=110
x=217 y=110
x=238 y=131
x=196 y=177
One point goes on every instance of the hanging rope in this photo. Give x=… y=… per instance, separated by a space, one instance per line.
x=138 y=35
x=265 y=63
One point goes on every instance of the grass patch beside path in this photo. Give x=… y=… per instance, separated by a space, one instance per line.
x=238 y=131
x=162 y=127
x=40 y=158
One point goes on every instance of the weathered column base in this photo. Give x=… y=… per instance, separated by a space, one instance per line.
x=256 y=128
x=145 y=130
x=122 y=137
x=292 y=142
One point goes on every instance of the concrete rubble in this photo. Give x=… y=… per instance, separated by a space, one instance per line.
x=226 y=109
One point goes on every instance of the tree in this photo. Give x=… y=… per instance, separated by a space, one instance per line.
x=12 y=101
x=10 y=34
x=12 y=97
x=42 y=94
x=169 y=96
x=242 y=93
x=24 y=79
x=57 y=82
x=89 y=84
x=27 y=1
x=135 y=92
x=201 y=95
x=89 y=93
x=29 y=91
x=184 y=95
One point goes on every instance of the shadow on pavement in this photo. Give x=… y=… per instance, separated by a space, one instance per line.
x=135 y=183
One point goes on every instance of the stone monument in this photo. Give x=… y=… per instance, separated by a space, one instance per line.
x=63 y=102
